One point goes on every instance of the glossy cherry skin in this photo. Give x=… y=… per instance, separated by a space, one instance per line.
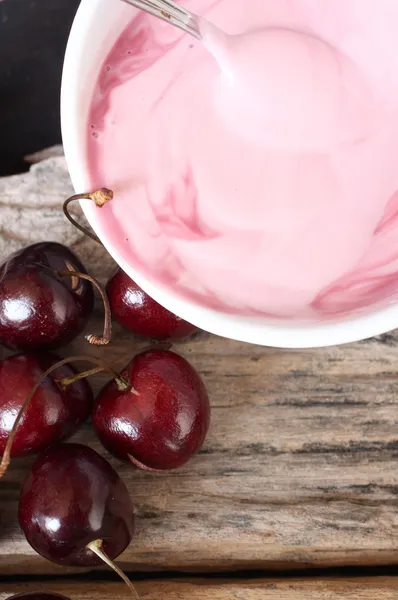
x=72 y=497
x=162 y=420
x=39 y=309
x=38 y=596
x=54 y=413
x=137 y=312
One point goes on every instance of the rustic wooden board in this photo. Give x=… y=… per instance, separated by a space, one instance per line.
x=382 y=588
x=300 y=468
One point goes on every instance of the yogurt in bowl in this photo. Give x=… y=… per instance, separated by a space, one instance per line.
x=269 y=217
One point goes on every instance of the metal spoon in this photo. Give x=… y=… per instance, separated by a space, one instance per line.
x=199 y=27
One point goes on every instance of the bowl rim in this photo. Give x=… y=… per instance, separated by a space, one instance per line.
x=256 y=330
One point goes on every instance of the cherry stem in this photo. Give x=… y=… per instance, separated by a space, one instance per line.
x=70 y=380
x=96 y=340
x=96 y=547
x=83 y=375
x=99 y=197
x=122 y=385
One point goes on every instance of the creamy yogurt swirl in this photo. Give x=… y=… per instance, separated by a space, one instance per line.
x=274 y=190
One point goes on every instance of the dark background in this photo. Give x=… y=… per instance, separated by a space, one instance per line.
x=33 y=36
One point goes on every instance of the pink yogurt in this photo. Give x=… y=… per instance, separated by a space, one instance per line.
x=272 y=191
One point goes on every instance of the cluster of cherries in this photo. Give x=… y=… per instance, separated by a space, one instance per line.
x=74 y=509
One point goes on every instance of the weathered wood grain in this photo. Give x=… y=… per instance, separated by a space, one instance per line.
x=382 y=588
x=300 y=468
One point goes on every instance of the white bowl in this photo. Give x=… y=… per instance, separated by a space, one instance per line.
x=96 y=27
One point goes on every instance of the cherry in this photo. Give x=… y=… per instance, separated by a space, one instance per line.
x=38 y=596
x=74 y=509
x=55 y=411
x=49 y=415
x=45 y=301
x=139 y=313
x=161 y=420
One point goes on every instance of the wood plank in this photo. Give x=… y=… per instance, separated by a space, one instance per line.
x=299 y=470
x=300 y=467
x=382 y=588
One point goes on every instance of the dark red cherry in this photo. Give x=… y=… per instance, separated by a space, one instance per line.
x=38 y=596
x=139 y=313
x=54 y=413
x=162 y=419
x=72 y=501
x=39 y=308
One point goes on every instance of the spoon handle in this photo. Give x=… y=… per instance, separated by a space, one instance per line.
x=171 y=13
